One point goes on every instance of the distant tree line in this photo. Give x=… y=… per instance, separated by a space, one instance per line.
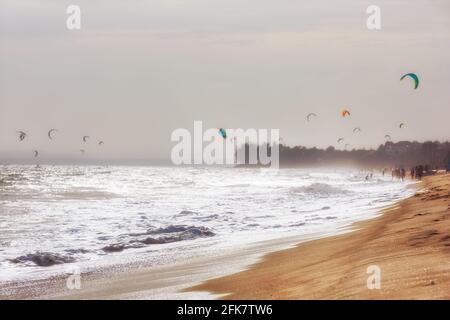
x=399 y=154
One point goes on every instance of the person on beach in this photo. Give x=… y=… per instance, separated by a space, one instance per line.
x=403 y=173
x=397 y=173
x=419 y=172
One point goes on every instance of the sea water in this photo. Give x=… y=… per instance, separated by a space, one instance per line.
x=55 y=216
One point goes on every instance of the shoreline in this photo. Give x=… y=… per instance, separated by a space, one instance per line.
x=410 y=243
x=140 y=281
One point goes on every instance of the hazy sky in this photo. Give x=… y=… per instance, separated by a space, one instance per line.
x=139 y=69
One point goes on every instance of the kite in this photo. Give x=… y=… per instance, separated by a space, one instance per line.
x=85 y=138
x=340 y=140
x=357 y=129
x=345 y=113
x=223 y=133
x=308 y=117
x=49 y=134
x=36 y=153
x=388 y=137
x=100 y=143
x=412 y=76
x=401 y=125
x=22 y=135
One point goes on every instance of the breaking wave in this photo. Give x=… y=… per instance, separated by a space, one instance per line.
x=172 y=233
x=320 y=189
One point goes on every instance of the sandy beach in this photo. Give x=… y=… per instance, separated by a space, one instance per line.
x=410 y=243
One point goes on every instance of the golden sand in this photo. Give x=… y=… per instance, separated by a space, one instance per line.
x=410 y=243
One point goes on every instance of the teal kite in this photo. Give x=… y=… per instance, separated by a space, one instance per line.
x=412 y=76
x=223 y=133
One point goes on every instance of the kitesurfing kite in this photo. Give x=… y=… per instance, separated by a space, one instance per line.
x=340 y=140
x=223 y=133
x=49 y=134
x=412 y=76
x=308 y=117
x=36 y=153
x=357 y=129
x=22 y=135
x=388 y=137
x=100 y=143
x=401 y=125
x=85 y=138
x=345 y=113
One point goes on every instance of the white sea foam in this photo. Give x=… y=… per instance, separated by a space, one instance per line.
x=54 y=215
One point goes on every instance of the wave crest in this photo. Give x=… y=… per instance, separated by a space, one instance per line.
x=319 y=189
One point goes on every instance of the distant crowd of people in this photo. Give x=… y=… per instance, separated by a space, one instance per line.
x=416 y=172
x=399 y=173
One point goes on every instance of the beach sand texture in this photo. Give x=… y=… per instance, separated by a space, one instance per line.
x=410 y=243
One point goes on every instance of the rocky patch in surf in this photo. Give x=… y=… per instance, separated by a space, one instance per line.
x=43 y=259
x=172 y=233
x=115 y=247
x=187 y=213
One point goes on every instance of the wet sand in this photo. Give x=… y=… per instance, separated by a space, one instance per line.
x=410 y=243
x=143 y=281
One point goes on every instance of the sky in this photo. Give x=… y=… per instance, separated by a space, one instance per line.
x=139 y=69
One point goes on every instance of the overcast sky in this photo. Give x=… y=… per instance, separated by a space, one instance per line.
x=139 y=69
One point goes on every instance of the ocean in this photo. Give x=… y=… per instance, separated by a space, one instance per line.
x=54 y=217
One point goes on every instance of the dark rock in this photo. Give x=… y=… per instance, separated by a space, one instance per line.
x=43 y=259
x=116 y=247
